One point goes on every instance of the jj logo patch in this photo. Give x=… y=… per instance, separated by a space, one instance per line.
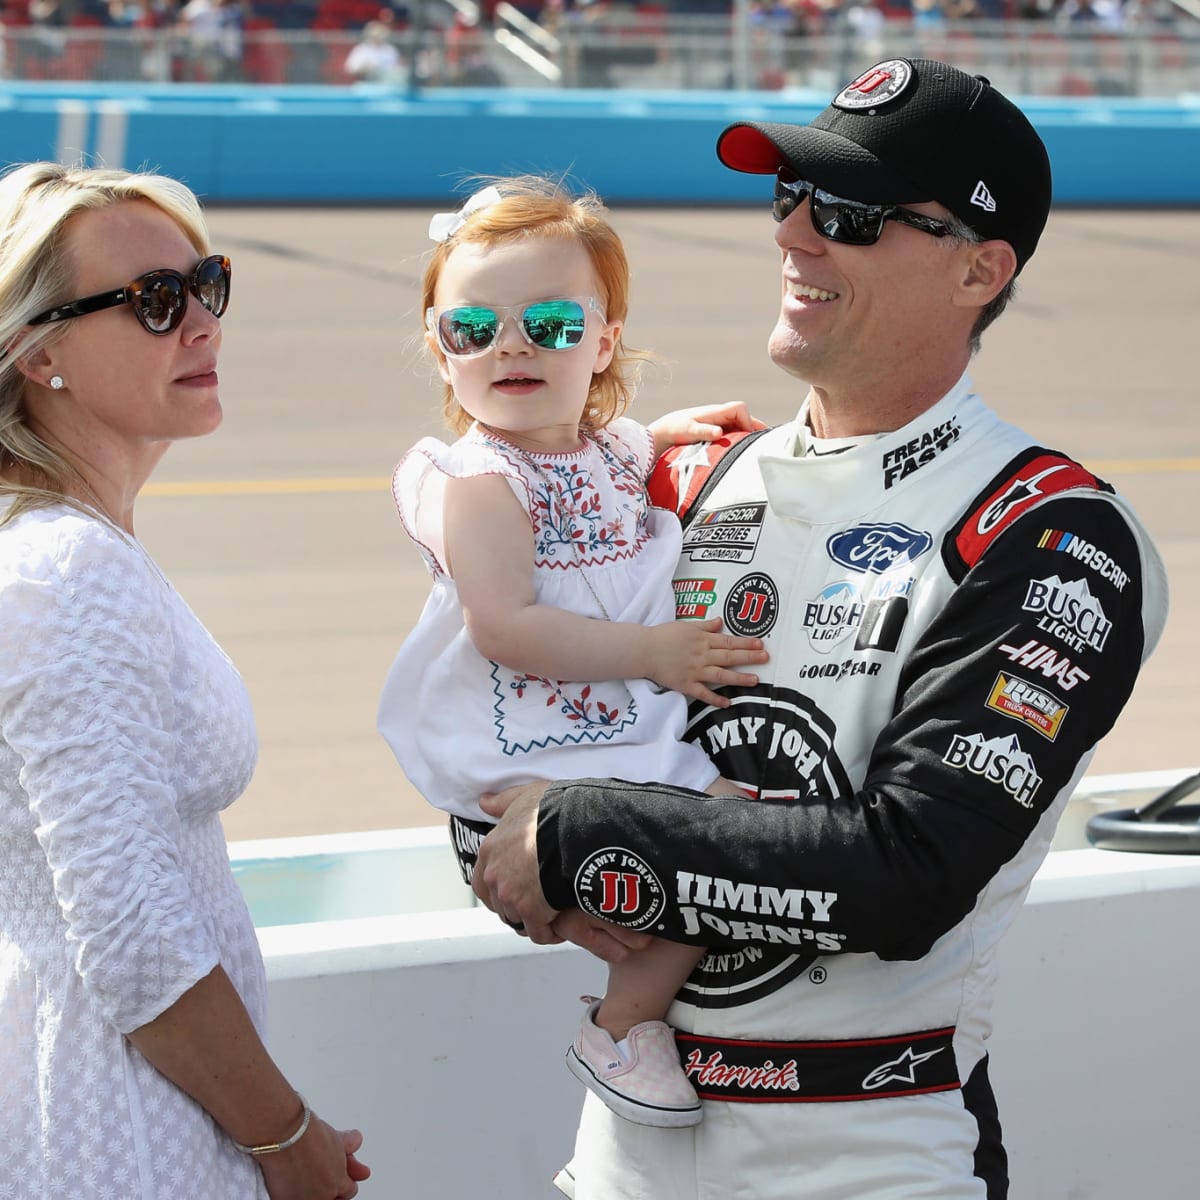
x=879 y=85
x=752 y=606
x=617 y=885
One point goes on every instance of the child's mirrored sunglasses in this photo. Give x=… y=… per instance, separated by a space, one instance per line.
x=465 y=330
x=159 y=299
x=848 y=221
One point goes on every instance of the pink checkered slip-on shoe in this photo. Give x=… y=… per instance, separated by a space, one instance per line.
x=648 y=1086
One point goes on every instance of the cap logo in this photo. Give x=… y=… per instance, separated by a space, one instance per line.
x=879 y=85
x=982 y=197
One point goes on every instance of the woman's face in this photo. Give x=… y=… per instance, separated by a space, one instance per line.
x=127 y=390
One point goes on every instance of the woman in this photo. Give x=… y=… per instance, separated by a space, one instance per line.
x=132 y=992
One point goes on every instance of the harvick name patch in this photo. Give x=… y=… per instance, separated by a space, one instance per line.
x=761 y=1072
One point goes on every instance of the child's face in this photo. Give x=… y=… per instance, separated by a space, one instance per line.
x=534 y=396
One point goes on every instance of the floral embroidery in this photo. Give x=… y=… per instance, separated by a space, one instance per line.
x=580 y=708
x=568 y=505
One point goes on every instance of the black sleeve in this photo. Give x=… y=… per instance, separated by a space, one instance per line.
x=1021 y=673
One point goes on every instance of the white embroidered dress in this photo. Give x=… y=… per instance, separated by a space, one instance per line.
x=124 y=730
x=460 y=724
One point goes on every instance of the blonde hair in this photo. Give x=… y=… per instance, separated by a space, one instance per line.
x=534 y=207
x=37 y=201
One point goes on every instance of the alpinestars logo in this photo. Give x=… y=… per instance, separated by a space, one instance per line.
x=983 y=198
x=1019 y=491
x=899 y=1070
x=618 y=886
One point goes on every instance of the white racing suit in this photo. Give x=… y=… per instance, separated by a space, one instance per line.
x=955 y=616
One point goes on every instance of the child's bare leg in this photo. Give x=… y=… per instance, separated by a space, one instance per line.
x=642 y=987
x=722 y=787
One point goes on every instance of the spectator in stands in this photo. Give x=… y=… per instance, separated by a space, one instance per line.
x=769 y=21
x=48 y=19
x=125 y=14
x=865 y=19
x=374 y=58
x=466 y=64
x=1097 y=13
x=122 y=50
x=928 y=15
x=215 y=29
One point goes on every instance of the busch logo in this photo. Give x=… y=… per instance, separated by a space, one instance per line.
x=875 y=549
x=997 y=760
x=841 y=608
x=1069 y=612
x=617 y=885
x=833 y=614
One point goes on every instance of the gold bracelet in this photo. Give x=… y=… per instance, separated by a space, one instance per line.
x=275 y=1147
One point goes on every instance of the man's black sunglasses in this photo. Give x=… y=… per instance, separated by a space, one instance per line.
x=159 y=298
x=848 y=221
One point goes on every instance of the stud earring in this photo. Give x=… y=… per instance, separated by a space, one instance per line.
x=56 y=382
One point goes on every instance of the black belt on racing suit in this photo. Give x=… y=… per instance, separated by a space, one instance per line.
x=759 y=1072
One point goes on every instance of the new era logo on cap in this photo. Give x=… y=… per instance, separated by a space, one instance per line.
x=983 y=197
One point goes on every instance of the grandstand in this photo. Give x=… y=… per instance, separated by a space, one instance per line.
x=1136 y=48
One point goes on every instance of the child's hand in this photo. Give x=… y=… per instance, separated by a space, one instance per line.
x=694 y=658
x=701 y=424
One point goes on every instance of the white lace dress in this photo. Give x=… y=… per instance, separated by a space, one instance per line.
x=124 y=730
x=461 y=724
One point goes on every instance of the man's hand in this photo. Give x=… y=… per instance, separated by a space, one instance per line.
x=506 y=874
x=703 y=424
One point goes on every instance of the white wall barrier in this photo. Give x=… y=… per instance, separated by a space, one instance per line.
x=441 y=1033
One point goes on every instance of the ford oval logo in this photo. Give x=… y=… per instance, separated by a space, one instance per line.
x=876 y=549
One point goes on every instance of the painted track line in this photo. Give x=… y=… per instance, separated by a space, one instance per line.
x=349 y=484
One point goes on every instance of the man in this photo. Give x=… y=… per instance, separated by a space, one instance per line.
x=955 y=617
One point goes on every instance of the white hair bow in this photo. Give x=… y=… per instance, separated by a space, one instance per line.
x=445 y=225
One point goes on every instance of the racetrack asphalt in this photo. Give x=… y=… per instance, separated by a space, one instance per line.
x=280 y=531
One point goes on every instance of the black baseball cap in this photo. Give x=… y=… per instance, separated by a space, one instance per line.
x=908 y=131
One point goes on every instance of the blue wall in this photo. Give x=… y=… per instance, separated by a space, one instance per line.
x=336 y=145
